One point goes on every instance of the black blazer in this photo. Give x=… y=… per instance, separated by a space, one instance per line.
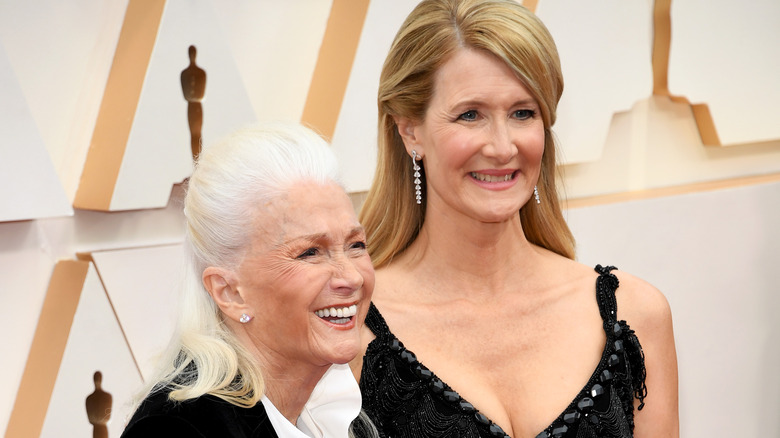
x=204 y=417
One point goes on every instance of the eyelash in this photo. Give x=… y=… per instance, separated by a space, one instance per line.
x=463 y=116
x=311 y=252
x=527 y=114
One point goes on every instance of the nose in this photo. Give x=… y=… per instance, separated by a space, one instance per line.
x=500 y=143
x=346 y=276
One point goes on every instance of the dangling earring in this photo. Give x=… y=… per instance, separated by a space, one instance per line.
x=417 y=181
x=536 y=195
x=245 y=318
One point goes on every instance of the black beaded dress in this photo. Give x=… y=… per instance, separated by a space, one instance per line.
x=405 y=399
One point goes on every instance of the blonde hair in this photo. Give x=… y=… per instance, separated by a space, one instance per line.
x=427 y=39
x=230 y=180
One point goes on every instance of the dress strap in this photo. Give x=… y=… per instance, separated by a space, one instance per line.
x=376 y=322
x=606 y=285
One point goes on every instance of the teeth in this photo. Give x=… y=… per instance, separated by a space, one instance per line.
x=342 y=312
x=491 y=178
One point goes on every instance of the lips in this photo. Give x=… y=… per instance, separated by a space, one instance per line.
x=337 y=315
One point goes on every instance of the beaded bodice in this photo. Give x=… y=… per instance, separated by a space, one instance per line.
x=405 y=399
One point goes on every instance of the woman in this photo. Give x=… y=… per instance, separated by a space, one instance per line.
x=278 y=285
x=483 y=324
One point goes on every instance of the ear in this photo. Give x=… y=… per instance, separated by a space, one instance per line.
x=222 y=285
x=407 y=128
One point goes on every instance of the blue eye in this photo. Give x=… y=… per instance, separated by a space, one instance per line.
x=524 y=114
x=358 y=245
x=311 y=252
x=468 y=115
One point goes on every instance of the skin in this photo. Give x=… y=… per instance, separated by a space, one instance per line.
x=494 y=300
x=307 y=252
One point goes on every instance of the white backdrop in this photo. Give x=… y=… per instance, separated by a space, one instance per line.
x=713 y=253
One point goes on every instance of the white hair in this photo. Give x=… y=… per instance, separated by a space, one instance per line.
x=247 y=169
x=231 y=178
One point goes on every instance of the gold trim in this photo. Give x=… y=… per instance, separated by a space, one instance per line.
x=120 y=101
x=670 y=191
x=662 y=40
x=334 y=64
x=48 y=347
x=531 y=5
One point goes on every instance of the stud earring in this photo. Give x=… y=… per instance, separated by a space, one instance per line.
x=245 y=318
x=536 y=195
x=417 y=181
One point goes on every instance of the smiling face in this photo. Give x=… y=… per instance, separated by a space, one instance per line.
x=482 y=139
x=307 y=277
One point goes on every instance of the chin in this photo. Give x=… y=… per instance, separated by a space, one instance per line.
x=345 y=354
x=496 y=211
x=339 y=352
x=499 y=217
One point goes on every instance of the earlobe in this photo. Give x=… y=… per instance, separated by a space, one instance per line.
x=223 y=288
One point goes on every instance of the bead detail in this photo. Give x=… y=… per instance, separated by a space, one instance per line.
x=482 y=418
x=408 y=356
x=558 y=432
x=451 y=396
x=571 y=417
x=585 y=404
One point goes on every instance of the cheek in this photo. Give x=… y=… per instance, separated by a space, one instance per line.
x=533 y=146
x=451 y=153
x=366 y=270
x=275 y=286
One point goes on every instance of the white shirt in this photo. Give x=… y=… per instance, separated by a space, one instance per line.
x=333 y=404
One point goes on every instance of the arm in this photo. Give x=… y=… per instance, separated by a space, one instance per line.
x=648 y=313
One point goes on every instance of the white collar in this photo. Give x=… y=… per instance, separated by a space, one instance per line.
x=333 y=404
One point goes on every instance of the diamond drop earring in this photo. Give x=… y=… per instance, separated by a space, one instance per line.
x=536 y=195
x=417 y=181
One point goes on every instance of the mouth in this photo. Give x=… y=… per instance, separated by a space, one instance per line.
x=337 y=315
x=493 y=178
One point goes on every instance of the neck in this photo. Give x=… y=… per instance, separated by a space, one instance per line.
x=289 y=389
x=477 y=255
x=288 y=383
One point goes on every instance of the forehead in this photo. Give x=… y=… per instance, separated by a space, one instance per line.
x=306 y=208
x=472 y=71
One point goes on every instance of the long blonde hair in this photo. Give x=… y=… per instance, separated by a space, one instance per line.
x=433 y=31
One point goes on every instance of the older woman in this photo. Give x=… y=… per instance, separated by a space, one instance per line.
x=483 y=323
x=278 y=285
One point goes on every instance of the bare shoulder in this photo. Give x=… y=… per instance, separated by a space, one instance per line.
x=648 y=313
x=640 y=303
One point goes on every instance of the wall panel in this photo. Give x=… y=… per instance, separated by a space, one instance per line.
x=711 y=249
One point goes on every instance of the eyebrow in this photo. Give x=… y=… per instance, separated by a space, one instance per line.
x=319 y=236
x=477 y=102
